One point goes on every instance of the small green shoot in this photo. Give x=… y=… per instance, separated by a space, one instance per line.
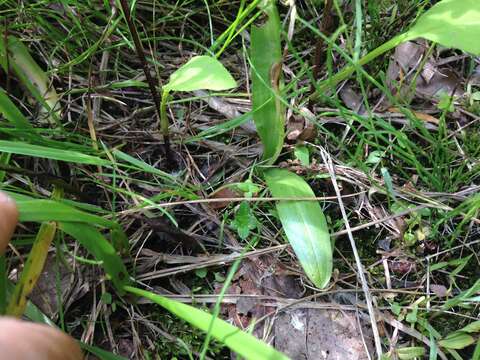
x=199 y=73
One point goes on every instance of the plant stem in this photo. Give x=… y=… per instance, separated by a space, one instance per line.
x=349 y=70
x=164 y=119
x=151 y=82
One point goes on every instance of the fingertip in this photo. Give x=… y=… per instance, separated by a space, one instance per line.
x=8 y=220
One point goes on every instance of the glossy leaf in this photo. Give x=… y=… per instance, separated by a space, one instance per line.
x=15 y=147
x=304 y=224
x=266 y=61
x=457 y=340
x=31 y=76
x=245 y=345
x=201 y=73
x=89 y=237
x=452 y=23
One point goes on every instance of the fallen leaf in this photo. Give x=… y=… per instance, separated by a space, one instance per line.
x=223 y=193
x=313 y=334
x=439 y=290
x=421 y=116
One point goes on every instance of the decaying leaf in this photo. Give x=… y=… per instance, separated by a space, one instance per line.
x=311 y=334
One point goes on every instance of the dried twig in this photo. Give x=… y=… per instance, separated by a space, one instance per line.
x=361 y=276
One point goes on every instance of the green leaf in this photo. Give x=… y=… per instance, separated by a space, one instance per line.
x=473 y=327
x=374 y=157
x=32 y=270
x=451 y=23
x=15 y=147
x=31 y=76
x=476 y=352
x=101 y=249
x=51 y=210
x=302 y=154
x=244 y=220
x=245 y=345
x=463 y=296
x=266 y=61
x=304 y=224
x=412 y=352
x=11 y=112
x=201 y=72
x=457 y=340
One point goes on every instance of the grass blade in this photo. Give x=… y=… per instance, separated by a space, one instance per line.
x=101 y=249
x=304 y=224
x=266 y=58
x=11 y=112
x=14 y=147
x=50 y=210
x=33 y=269
x=243 y=344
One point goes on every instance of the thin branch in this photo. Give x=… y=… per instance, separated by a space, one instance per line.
x=146 y=70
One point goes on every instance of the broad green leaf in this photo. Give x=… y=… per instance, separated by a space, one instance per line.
x=412 y=352
x=11 y=112
x=31 y=76
x=452 y=23
x=245 y=345
x=201 y=73
x=473 y=327
x=15 y=147
x=101 y=249
x=266 y=61
x=457 y=340
x=304 y=224
x=51 y=210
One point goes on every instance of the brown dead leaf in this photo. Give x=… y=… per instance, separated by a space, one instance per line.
x=434 y=78
x=352 y=99
x=223 y=193
x=402 y=267
x=439 y=290
x=299 y=128
x=313 y=334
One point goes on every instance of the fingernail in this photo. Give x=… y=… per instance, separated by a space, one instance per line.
x=4 y=198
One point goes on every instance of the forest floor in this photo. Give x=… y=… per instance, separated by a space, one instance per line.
x=403 y=137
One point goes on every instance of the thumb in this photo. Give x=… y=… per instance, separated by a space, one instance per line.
x=8 y=220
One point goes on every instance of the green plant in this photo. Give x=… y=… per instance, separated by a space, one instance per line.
x=303 y=220
x=244 y=344
x=451 y=23
x=199 y=73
